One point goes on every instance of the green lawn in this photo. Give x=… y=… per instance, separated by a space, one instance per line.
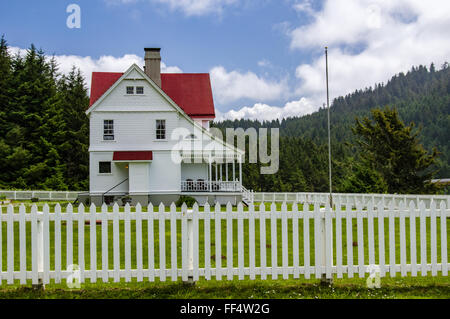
x=398 y=287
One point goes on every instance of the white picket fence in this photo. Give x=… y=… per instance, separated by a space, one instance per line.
x=350 y=199
x=41 y=195
x=220 y=242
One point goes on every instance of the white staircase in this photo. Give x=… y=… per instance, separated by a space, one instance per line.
x=247 y=196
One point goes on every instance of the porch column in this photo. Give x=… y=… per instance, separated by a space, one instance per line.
x=234 y=170
x=215 y=169
x=221 y=169
x=210 y=173
x=226 y=171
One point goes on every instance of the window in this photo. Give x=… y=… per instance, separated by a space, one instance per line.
x=108 y=130
x=104 y=167
x=139 y=90
x=130 y=89
x=160 y=129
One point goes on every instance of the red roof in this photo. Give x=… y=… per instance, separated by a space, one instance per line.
x=190 y=91
x=133 y=156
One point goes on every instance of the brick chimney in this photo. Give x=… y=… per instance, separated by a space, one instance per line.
x=153 y=64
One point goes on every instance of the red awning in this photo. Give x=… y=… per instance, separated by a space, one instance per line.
x=133 y=156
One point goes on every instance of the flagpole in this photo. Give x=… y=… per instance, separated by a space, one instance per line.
x=329 y=134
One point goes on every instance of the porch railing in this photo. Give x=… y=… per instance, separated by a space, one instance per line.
x=214 y=186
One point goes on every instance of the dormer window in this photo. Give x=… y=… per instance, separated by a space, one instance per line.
x=139 y=90
x=130 y=89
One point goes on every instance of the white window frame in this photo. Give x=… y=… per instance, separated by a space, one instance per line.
x=108 y=130
x=160 y=131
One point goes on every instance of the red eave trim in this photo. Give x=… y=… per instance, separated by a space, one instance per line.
x=133 y=156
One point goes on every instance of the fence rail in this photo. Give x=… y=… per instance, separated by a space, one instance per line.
x=350 y=199
x=41 y=195
x=221 y=242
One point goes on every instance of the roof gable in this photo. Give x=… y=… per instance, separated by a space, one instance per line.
x=190 y=91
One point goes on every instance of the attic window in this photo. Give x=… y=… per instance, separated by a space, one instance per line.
x=130 y=89
x=139 y=90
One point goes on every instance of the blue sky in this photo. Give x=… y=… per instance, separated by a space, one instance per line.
x=265 y=57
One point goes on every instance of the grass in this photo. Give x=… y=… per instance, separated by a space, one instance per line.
x=397 y=287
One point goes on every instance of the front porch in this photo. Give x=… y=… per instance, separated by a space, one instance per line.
x=213 y=186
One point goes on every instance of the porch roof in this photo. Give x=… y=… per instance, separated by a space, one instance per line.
x=133 y=156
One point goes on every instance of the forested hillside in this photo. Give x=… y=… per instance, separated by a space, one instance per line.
x=421 y=96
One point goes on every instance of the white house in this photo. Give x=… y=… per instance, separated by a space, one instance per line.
x=150 y=139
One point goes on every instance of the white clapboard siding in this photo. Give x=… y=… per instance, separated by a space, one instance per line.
x=232 y=230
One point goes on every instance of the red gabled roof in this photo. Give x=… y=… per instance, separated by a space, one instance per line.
x=132 y=156
x=101 y=82
x=190 y=91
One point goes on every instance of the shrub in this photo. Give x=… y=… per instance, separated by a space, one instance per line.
x=190 y=201
x=34 y=199
x=3 y=197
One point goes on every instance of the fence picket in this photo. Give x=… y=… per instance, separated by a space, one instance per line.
x=139 y=266
x=284 y=239
x=116 y=243
x=151 y=243
x=392 y=266
x=229 y=242
x=444 y=239
x=433 y=241
x=339 y=238
x=273 y=239
x=402 y=207
x=184 y=242
x=240 y=241
x=262 y=240
x=381 y=248
x=57 y=243
x=328 y=237
x=349 y=229
x=162 y=242
x=22 y=243
x=1 y=246
x=423 y=238
x=127 y=247
x=306 y=256
x=317 y=241
x=195 y=222
x=218 y=241
x=46 y=279
x=93 y=243
x=10 y=244
x=34 y=244
x=295 y=249
x=370 y=232
x=251 y=230
x=173 y=242
x=105 y=263
x=360 y=242
x=69 y=236
x=412 y=236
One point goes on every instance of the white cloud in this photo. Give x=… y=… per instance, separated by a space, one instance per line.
x=232 y=86
x=106 y=63
x=369 y=41
x=188 y=7
x=264 y=112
